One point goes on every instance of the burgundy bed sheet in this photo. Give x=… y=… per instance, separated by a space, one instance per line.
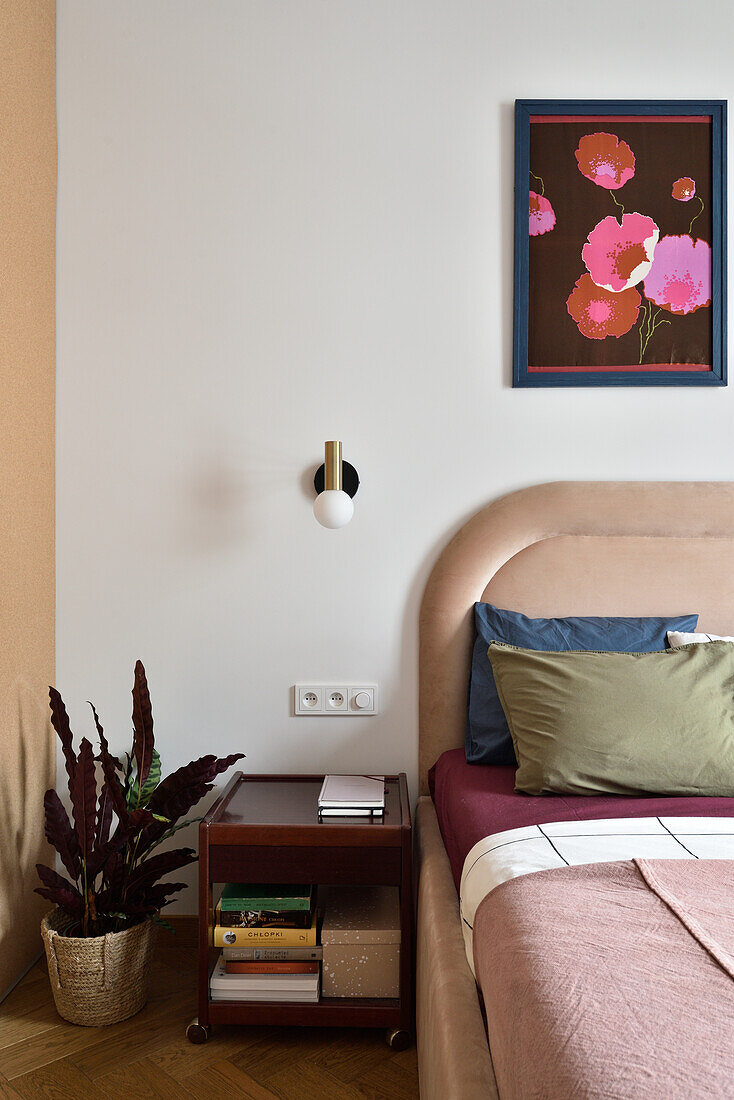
x=474 y=800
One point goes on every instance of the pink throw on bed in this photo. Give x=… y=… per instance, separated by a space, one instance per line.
x=611 y=980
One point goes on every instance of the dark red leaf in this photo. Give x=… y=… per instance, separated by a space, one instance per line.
x=150 y=870
x=139 y=819
x=177 y=793
x=60 y=722
x=109 y=770
x=60 y=833
x=84 y=799
x=182 y=789
x=149 y=902
x=104 y=807
x=52 y=879
x=100 y=856
x=158 y=896
x=114 y=880
x=104 y=816
x=70 y=903
x=142 y=724
x=59 y=890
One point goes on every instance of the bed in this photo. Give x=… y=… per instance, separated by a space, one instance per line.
x=573 y=548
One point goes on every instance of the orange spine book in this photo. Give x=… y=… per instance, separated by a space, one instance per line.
x=272 y=967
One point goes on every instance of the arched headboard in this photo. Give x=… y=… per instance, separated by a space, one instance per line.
x=571 y=548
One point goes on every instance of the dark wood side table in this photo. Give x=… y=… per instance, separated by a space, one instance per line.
x=266 y=828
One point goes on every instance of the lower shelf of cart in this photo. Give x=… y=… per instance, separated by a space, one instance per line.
x=326 y=1012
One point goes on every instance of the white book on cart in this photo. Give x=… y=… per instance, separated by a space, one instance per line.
x=353 y=792
x=225 y=986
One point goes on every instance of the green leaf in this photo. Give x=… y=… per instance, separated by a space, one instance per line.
x=162 y=923
x=154 y=778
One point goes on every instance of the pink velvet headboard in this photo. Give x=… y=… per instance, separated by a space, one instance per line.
x=571 y=548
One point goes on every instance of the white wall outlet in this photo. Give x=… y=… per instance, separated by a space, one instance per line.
x=336 y=699
x=309 y=699
x=349 y=700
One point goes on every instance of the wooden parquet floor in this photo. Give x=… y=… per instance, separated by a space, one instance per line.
x=149 y=1058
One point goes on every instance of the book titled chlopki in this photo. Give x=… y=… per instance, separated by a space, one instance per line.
x=266 y=936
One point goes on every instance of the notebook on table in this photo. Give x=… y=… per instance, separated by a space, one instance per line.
x=352 y=795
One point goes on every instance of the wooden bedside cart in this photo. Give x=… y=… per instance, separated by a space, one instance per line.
x=266 y=828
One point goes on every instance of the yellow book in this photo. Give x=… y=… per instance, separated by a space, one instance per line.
x=266 y=937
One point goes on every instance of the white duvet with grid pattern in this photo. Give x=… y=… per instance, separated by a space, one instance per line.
x=503 y=856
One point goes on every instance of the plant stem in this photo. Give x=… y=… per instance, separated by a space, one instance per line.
x=86 y=900
x=542 y=185
x=652 y=324
x=657 y=323
x=698 y=215
x=617 y=202
x=643 y=311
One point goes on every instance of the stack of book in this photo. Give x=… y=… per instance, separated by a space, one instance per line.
x=352 y=796
x=269 y=941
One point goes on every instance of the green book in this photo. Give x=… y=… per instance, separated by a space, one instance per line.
x=245 y=895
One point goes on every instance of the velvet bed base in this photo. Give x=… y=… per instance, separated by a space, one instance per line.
x=453 y=1056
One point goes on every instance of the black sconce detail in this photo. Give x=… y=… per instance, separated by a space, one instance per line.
x=350 y=479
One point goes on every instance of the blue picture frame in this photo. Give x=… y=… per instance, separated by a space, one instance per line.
x=638 y=111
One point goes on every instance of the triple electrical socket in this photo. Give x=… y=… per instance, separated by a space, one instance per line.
x=345 y=699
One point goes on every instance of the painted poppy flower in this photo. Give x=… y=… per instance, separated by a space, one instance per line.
x=600 y=313
x=680 y=277
x=542 y=215
x=619 y=255
x=684 y=189
x=605 y=160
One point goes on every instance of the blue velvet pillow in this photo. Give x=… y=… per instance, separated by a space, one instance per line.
x=488 y=739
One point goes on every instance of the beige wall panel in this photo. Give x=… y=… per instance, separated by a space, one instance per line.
x=27 y=227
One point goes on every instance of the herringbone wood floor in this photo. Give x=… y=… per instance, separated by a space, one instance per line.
x=149 y=1056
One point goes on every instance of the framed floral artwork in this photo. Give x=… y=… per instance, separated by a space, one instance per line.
x=620 y=245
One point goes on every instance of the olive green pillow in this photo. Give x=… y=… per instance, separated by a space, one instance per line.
x=619 y=723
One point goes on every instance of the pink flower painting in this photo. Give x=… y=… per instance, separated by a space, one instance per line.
x=542 y=215
x=680 y=277
x=599 y=312
x=684 y=189
x=619 y=255
x=620 y=279
x=605 y=160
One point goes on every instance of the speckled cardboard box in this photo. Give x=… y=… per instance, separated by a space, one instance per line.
x=360 y=937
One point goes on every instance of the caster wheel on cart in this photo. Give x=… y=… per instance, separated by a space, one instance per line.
x=397 y=1039
x=197 y=1033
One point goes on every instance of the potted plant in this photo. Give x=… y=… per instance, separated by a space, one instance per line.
x=99 y=938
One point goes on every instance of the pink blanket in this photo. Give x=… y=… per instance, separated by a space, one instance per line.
x=611 y=980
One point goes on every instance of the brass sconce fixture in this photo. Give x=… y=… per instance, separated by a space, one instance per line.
x=336 y=482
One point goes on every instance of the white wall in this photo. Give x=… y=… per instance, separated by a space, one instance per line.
x=282 y=221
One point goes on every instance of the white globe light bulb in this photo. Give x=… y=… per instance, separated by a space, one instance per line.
x=333 y=508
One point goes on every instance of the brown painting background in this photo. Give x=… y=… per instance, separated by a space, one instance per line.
x=664 y=152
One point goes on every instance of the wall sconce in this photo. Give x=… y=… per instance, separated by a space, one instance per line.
x=336 y=482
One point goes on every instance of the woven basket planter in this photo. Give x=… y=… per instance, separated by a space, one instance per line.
x=100 y=980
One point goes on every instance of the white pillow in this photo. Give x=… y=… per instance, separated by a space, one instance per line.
x=675 y=638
